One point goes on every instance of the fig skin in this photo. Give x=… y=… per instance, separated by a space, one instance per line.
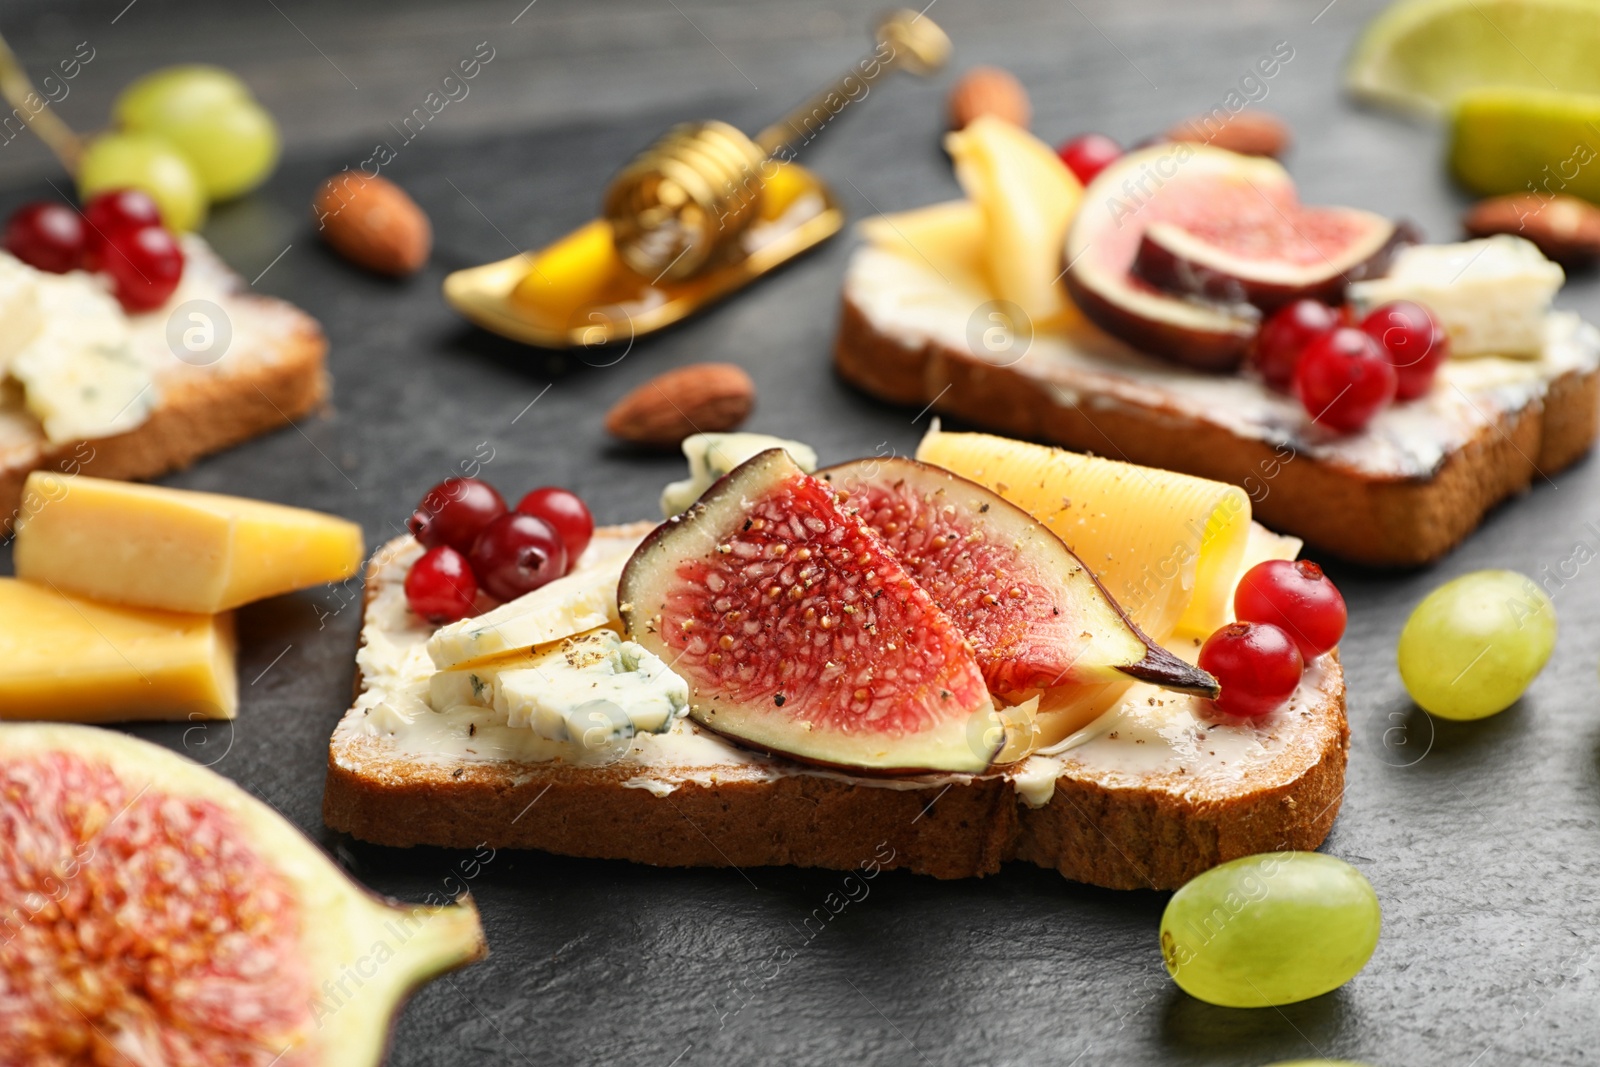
x=1221 y=350
x=362 y=956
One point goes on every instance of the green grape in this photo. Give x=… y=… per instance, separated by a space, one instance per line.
x=1475 y=644
x=209 y=115
x=1270 y=929
x=139 y=161
x=173 y=93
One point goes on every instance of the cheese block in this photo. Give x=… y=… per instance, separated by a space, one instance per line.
x=1492 y=296
x=62 y=657
x=154 y=547
x=1167 y=546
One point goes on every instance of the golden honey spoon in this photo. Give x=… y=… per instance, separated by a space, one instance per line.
x=699 y=214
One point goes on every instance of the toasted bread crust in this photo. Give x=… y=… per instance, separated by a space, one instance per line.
x=1101 y=826
x=1122 y=836
x=197 y=414
x=1381 y=522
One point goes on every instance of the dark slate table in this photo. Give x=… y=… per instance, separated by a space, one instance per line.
x=1482 y=840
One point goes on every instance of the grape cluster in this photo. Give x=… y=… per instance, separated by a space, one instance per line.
x=187 y=136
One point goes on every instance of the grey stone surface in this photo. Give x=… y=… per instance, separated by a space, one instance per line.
x=1482 y=840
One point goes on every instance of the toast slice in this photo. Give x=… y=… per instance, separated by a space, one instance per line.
x=271 y=373
x=1146 y=797
x=1402 y=493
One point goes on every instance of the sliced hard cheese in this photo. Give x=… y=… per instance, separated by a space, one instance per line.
x=948 y=237
x=1028 y=198
x=581 y=601
x=170 y=548
x=1166 y=546
x=66 y=658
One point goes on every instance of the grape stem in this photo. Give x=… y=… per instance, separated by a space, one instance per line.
x=34 y=110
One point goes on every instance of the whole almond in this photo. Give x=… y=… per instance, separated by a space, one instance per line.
x=989 y=91
x=1250 y=133
x=699 y=398
x=1565 y=228
x=373 y=223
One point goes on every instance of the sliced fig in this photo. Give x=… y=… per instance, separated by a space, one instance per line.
x=1240 y=208
x=1035 y=616
x=158 y=914
x=1279 y=256
x=800 y=633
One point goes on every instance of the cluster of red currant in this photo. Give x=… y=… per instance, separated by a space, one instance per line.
x=118 y=234
x=1343 y=371
x=1289 y=614
x=474 y=541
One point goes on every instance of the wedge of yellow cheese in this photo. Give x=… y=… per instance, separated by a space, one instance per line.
x=949 y=237
x=1028 y=198
x=1167 y=546
x=153 y=547
x=62 y=657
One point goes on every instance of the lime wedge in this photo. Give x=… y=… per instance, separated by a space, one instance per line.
x=1420 y=55
x=1527 y=141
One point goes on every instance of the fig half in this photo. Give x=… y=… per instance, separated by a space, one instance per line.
x=1282 y=255
x=1179 y=247
x=1036 y=617
x=158 y=914
x=800 y=633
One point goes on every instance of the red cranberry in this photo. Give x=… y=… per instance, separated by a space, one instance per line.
x=454 y=512
x=1257 y=665
x=144 y=265
x=1284 y=336
x=1296 y=597
x=1414 y=342
x=516 y=554
x=440 y=585
x=46 y=235
x=565 y=511
x=1343 y=380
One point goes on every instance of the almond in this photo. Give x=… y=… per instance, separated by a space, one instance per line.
x=1249 y=133
x=699 y=398
x=1565 y=228
x=373 y=223
x=989 y=91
